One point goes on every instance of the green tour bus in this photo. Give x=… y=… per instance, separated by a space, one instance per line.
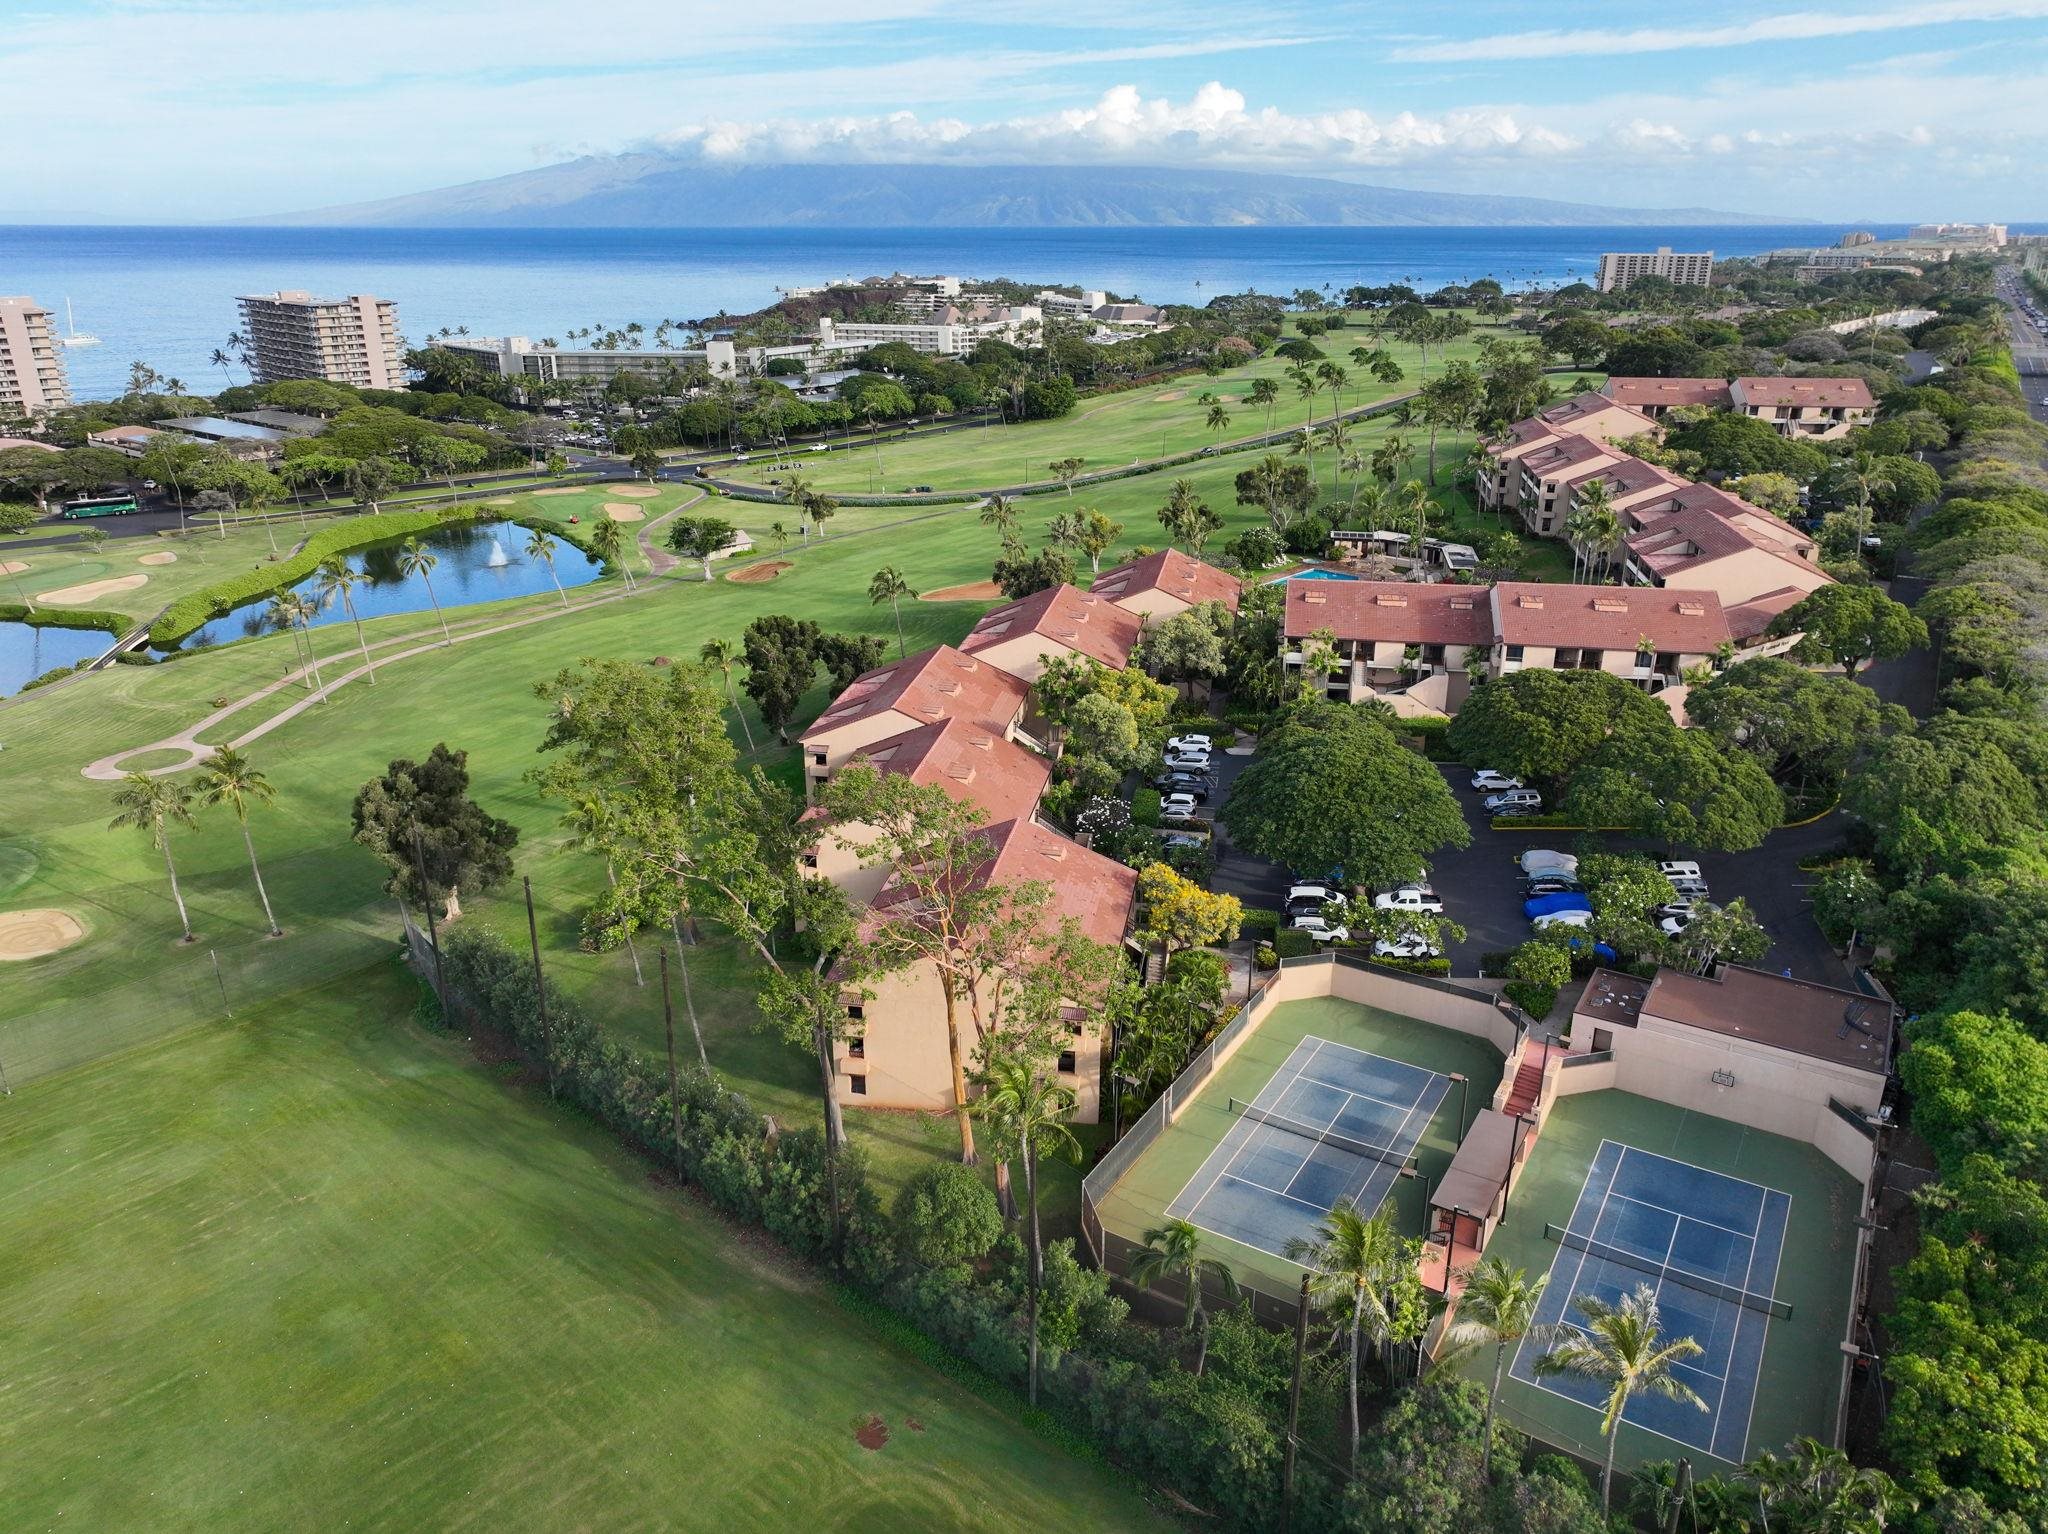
x=100 y=506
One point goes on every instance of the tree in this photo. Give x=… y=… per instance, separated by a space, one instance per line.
x=1066 y=470
x=1030 y=1112
x=1776 y=493
x=1797 y=723
x=1281 y=489
x=1448 y=403
x=888 y=585
x=1621 y=1347
x=153 y=806
x=608 y=543
x=339 y=578
x=1544 y=724
x=701 y=539
x=229 y=778
x=1093 y=533
x=1174 y=1250
x=1849 y=625
x=1498 y=1310
x=647 y=462
x=540 y=547
x=1594 y=526
x=1943 y=798
x=1364 y=1273
x=1187 y=648
x=370 y=479
x=1018 y=574
x=722 y=655
x=415 y=558
x=1980 y=1087
x=1330 y=788
x=1679 y=786
x=1179 y=913
x=1254 y=549
x=782 y=659
x=1264 y=391
x=1187 y=517
x=1218 y=418
x=435 y=840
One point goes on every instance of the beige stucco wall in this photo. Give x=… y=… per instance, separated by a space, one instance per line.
x=838 y=862
x=1023 y=657
x=1153 y=604
x=841 y=743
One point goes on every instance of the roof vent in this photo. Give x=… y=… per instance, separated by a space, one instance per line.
x=1693 y=609
x=1461 y=604
x=1390 y=599
x=1529 y=599
x=1314 y=596
x=1610 y=604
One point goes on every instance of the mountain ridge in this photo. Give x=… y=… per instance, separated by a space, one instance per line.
x=650 y=190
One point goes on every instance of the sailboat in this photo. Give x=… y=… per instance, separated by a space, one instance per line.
x=72 y=335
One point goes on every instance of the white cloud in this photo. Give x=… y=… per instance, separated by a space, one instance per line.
x=1796 y=26
x=1215 y=126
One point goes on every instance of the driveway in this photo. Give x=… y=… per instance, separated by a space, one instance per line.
x=1481 y=883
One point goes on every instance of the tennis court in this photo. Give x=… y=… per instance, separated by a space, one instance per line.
x=1333 y=1125
x=1708 y=1245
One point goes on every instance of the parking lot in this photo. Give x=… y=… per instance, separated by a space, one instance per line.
x=1481 y=886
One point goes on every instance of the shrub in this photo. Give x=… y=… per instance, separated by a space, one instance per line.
x=1259 y=923
x=1266 y=956
x=16 y=518
x=946 y=1214
x=1145 y=807
x=1536 y=1000
x=1437 y=966
x=70 y=618
x=1293 y=945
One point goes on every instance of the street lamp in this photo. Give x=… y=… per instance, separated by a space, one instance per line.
x=1459 y=1078
x=1508 y=1182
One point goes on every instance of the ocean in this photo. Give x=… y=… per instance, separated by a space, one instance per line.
x=165 y=296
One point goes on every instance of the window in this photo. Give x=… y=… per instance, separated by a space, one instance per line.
x=857 y=1085
x=1515 y=654
x=818 y=759
x=1603 y=1039
x=857 y=1047
x=809 y=860
x=856 y=1010
x=1066 y=1062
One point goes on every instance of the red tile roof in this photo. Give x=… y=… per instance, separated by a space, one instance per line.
x=1094 y=890
x=1749 y=620
x=1551 y=459
x=1787 y=393
x=1176 y=574
x=1607 y=617
x=939 y=683
x=1667 y=393
x=1068 y=617
x=1566 y=414
x=1402 y=612
x=970 y=762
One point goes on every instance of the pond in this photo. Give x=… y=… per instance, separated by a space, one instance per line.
x=477 y=562
x=27 y=651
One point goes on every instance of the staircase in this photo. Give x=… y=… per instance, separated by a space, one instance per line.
x=1528 y=1081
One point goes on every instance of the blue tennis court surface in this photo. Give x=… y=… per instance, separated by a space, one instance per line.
x=1334 y=1124
x=1708 y=1245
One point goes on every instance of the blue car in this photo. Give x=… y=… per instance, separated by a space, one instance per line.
x=1601 y=951
x=1548 y=905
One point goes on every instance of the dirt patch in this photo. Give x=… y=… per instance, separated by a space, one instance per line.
x=633 y=492
x=973 y=591
x=92 y=591
x=1169 y=396
x=913 y=1424
x=162 y=557
x=32 y=934
x=870 y=1432
x=754 y=575
x=561 y=490
x=510 y=500
x=12 y=566
x=618 y=511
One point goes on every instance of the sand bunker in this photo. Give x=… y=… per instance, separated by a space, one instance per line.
x=753 y=575
x=636 y=492
x=92 y=591
x=31 y=934
x=973 y=591
x=11 y=566
x=559 y=490
x=619 y=511
x=507 y=500
x=162 y=557
x=1169 y=396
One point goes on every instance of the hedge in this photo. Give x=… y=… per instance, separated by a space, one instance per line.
x=113 y=623
x=1259 y=923
x=1293 y=945
x=195 y=610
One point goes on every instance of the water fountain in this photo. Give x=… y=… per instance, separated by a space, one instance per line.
x=499 y=557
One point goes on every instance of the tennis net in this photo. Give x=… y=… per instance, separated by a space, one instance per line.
x=1769 y=1305
x=1392 y=1155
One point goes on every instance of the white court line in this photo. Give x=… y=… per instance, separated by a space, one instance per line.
x=1244 y=1143
x=1630 y=1198
x=1749 y=1418
x=1694 y=1166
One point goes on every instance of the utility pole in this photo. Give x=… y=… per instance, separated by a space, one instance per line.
x=540 y=990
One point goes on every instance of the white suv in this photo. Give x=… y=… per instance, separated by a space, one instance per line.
x=1180 y=743
x=1487 y=781
x=1321 y=930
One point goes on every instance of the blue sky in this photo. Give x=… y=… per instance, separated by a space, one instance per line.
x=175 y=110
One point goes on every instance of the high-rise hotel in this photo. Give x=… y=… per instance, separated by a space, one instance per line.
x=31 y=363
x=343 y=340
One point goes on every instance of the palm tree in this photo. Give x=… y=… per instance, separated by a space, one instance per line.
x=338 y=578
x=890 y=586
x=998 y=513
x=542 y=547
x=608 y=542
x=724 y=654
x=1621 y=1347
x=778 y=537
x=300 y=609
x=415 y=558
x=282 y=613
x=153 y=806
x=1333 y=377
x=1353 y=1262
x=1498 y=1310
x=1029 y=1112
x=1265 y=392
x=228 y=778
x=1218 y=417
x=1175 y=1248
x=1819 y=1490
x=592 y=824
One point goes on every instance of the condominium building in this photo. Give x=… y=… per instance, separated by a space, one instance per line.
x=351 y=341
x=1688 y=269
x=31 y=363
x=518 y=357
x=949 y=331
x=1163 y=585
x=1811 y=409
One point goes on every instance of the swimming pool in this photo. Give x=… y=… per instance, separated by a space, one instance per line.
x=1316 y=575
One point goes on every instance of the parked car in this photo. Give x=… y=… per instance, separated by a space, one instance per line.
x=1409 y=945
x=1545 y=905
x=1690 y=889
x=1540 y=860
x=1320 y=929
x=1179 y=777
x=1189 y=743
x=1600 y=951
x=1316 y=890
x=1676 y=923
x=1409 y=897
x=1181 y=841
x=1563 y=919
x=1176 y=784
x=1681 y=907
x=1486 y=780
x=1177 y=807
x=1193 y=756
x=1552 y=884
x=1679 y=870
x=1515 y=801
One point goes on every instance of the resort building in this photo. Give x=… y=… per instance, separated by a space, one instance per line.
x=1060 y=621
x=32 y=379
x=1654 y=396
x=926 y=688
x=949 y=330
x=1593 y=417
x=1807 y=408
x=1162 y=585
x=1687 y=269
x=1420 y=647
x=516 y=357
x=351 y=341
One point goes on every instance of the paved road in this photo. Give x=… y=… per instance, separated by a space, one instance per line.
x=1481 y=888
x=2029 y=341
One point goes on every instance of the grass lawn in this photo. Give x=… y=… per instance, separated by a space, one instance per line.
x=314 y=1268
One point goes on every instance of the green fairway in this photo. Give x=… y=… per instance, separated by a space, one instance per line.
x=315 y=1269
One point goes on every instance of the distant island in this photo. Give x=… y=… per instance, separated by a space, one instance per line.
x=656 y=191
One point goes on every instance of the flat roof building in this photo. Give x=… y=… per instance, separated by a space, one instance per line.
x=517 y=357
x=1687 y=269
x=353 y=341
x=32 y=381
